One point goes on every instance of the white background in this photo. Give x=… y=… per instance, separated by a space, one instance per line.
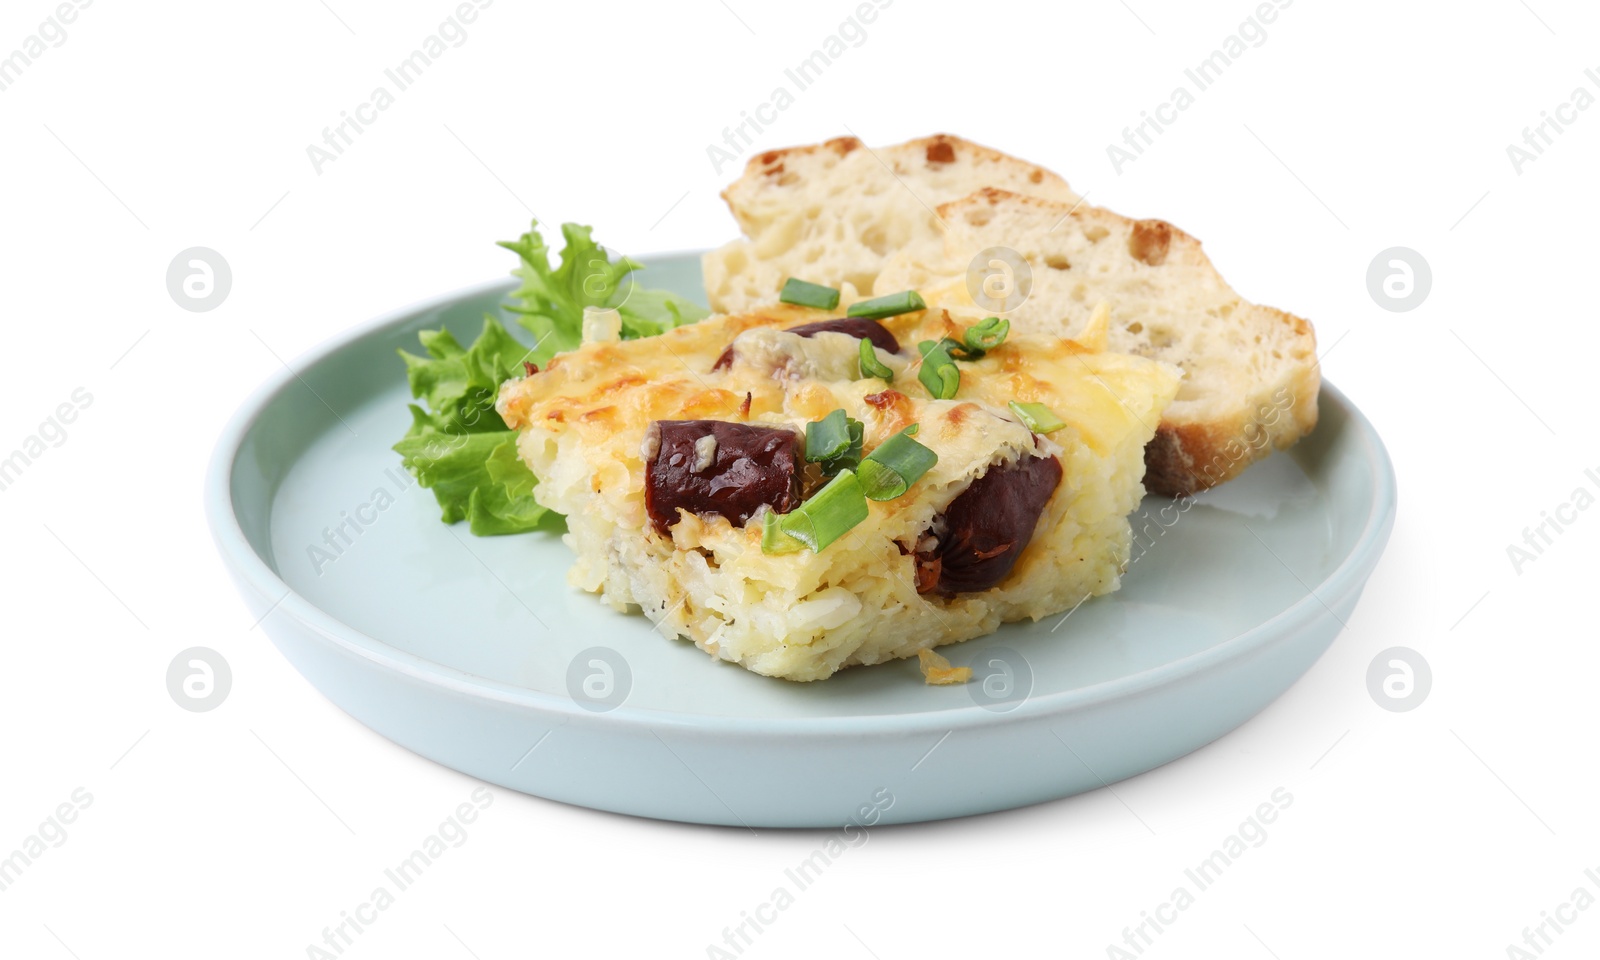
x=1353 y=128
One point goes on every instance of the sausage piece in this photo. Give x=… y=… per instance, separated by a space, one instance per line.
x=721 y=468
x=987 y=527
x=861 y=328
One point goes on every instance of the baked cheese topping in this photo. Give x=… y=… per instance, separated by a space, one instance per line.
x=665 y=453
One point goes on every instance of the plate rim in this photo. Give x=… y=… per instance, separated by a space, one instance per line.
x=240 y=557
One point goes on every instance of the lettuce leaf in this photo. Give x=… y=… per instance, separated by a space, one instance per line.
x=550 y=301
x=460 y=384
x=646 y=313
x=457 y=445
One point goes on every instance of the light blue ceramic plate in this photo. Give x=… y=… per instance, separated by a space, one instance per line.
x=476 y=654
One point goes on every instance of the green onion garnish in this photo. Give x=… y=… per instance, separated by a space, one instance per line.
x=827 y=438
x=894 y=304
x=984 y=336
x=804 y=294
x=773 y=539
x=938 y=372
x=835 y=442
x=1037 y=417
x=827 y=516
x=871 y=366
x=899 y=461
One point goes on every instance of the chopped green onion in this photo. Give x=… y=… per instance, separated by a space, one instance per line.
x=1037 y=417
x=804 y=294
x=899 y=461
x=773 y=539
x=828 y=437
x=828 y=515
x=984 y=336
x=938 y=372
x=835 y=442
x=871 y=366
x=906 y=301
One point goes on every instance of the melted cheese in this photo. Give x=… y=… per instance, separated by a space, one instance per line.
x=584 y=423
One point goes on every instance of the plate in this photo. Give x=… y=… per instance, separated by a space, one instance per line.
x=474 y=652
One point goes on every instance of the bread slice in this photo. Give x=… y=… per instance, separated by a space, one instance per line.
x=864 y=221
x=1250 y=372
x=831 y=213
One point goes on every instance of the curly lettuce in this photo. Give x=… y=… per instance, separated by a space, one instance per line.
x=550 y=301
x=457 y=445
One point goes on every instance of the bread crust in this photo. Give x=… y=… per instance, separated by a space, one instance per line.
x=773 y=162
x=835 y=211
x=947 y=147
x=937 y=145
x=1188 y=455
x=1198 y=444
